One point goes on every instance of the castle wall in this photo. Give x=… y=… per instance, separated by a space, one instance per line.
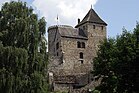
x=71 y=52
x=54 y=38
x=63 y=87
x=67 y=47
x=68 y=54
x=96 y=34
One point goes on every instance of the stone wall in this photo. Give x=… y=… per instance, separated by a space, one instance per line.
x=71 y=52
x=54 y=38
x=67 y=47
x=63 y=88
x=65 y=60
x=95 y=36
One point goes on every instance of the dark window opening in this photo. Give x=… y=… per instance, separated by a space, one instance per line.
x=81 y=55
x=81 y=61
x=101 y=27
x=57 y=45
x=83 y=45
x=78 y=45
x=94 y=27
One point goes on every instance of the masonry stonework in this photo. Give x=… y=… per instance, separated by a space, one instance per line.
x=71 y=52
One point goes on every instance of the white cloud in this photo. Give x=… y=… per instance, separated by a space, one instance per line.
x=68 y=11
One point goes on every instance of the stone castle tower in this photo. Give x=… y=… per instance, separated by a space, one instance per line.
x=71 y=52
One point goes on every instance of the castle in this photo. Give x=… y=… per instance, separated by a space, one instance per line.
x=71 y=52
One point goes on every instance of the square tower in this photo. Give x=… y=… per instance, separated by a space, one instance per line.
x=95 y=29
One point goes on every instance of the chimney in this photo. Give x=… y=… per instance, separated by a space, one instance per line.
x=78 y=20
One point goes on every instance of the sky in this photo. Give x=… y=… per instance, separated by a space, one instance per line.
x=118 y=14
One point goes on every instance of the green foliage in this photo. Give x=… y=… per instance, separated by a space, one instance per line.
x=96 y=91
x=117 y=64
x=23 y=57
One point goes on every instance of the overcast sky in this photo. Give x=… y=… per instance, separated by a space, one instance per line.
x=116 y=13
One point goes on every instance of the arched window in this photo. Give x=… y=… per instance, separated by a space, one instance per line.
x=78 y=44
x=83 y=45
x=81 y=55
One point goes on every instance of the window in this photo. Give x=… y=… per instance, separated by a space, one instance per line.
x=83 y=45
x=78 y=45
x=81 y=55
x=94 y=27
x=81 y=61
x=57 y=53
x=101 y=27
x=57 y=45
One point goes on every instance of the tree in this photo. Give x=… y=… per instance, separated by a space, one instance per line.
x=23 y=57
x=117 y=64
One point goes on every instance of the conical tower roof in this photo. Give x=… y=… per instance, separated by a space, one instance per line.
x=91 y=17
